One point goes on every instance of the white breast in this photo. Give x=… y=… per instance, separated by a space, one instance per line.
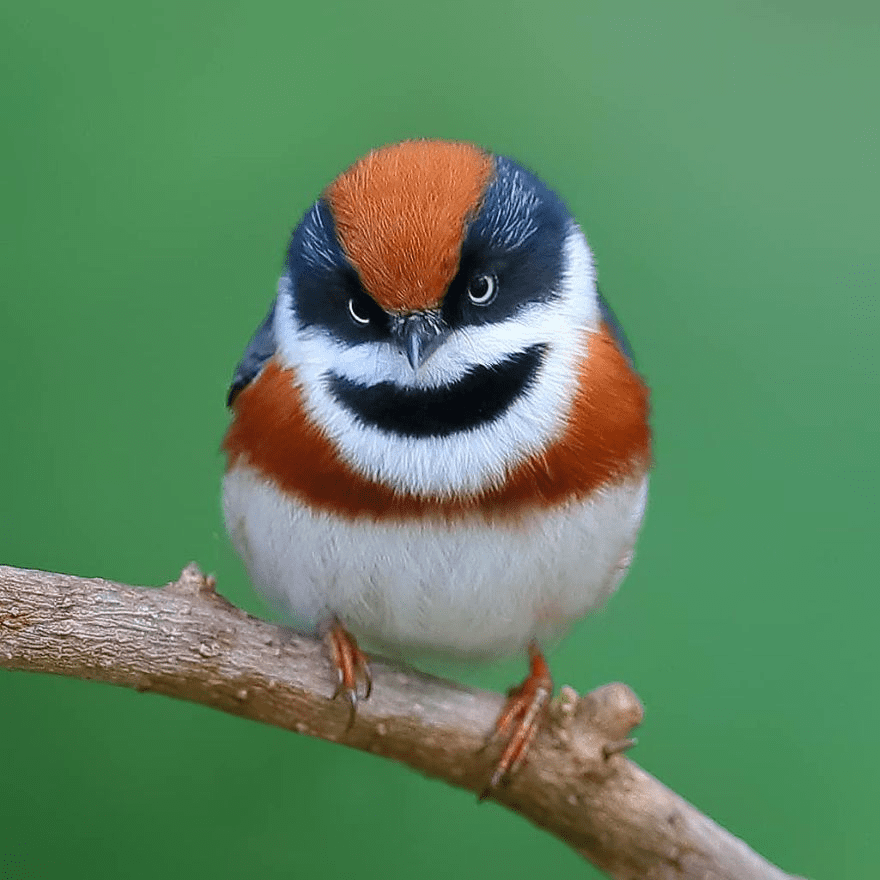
x=467 y=589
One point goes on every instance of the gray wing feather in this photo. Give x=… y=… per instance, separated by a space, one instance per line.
x=610 y=319
x=259 y=350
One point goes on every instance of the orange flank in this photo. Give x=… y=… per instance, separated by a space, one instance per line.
x=607 y=439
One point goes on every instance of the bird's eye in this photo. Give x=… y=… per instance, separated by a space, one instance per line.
x=482 y=289
x=357 y=313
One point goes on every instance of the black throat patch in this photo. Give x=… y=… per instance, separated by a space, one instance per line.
x=481 y=396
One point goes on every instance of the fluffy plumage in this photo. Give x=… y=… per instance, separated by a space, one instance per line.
x=438 y=436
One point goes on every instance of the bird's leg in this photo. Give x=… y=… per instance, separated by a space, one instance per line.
x=351 y=663
x=520 y=718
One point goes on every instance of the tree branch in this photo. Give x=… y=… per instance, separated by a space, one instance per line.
x=186 y=641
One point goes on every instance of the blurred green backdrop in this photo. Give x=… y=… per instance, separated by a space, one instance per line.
x=155 y=157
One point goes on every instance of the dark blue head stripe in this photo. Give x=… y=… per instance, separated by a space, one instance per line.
x=323 y=281
x=517 y=235
x=516 y=207
x=314 y=245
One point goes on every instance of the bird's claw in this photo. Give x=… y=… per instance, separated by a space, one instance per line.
x=520 y=720
x=352 y=666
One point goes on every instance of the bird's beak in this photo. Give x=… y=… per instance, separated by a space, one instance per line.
x=418 y=336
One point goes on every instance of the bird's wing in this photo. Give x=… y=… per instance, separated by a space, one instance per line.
x=259 y=350
x=610 y=319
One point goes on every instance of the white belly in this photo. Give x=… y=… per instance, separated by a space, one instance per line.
x=466 y=589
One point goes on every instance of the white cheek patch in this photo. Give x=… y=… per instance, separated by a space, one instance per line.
x=467 y=461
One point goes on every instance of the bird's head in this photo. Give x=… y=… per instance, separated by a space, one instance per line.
x=435 y=308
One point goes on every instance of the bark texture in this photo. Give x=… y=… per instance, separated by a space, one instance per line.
x=184 y=640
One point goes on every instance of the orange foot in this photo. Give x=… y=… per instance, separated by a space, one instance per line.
x=521 y=717
x=352 y=665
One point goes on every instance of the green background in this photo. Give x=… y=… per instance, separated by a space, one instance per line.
x=722 y=159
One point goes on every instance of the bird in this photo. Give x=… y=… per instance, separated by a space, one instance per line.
x=439 y=443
